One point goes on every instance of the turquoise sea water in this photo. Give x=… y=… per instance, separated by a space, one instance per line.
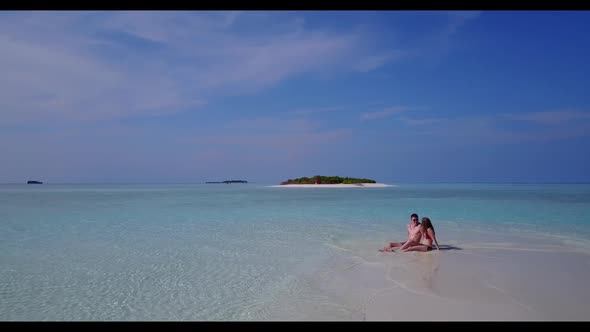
x=221 y=252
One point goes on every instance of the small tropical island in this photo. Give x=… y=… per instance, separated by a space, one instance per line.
x=34 y=182
x=330 y=182
x=228 y=181
x=318 y=179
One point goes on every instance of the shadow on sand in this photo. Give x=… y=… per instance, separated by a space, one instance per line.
x=447 y=247
x=442 y=248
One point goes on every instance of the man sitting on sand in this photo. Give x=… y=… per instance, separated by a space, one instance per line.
x=414 y=234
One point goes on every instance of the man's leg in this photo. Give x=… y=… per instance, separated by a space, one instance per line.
x=392 y=245
x=408 y=244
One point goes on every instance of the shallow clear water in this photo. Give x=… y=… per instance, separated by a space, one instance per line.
x=221 y=252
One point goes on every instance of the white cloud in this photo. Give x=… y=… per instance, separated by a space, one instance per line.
x=315 y=110
x=373 y=62
x=270 y=133
x=420 y=122
x=54 y=83
x=106 y=65
x=550 y=117
x=272 y=124
x=494 y=129
x=384 y=113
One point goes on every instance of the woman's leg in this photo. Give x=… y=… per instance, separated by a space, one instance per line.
x=420 y=247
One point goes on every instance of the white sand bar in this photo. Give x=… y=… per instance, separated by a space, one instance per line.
x=339 y=185
x=475 y=277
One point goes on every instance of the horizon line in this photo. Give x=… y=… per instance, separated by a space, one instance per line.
x=256 y=182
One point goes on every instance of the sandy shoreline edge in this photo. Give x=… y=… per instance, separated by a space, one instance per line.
x=339 y=185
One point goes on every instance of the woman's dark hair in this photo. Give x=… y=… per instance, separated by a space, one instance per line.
x=426 y=223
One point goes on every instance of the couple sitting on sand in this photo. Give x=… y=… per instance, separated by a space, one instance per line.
x=416 y=231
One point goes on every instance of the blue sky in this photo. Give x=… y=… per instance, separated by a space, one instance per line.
x=266 y=96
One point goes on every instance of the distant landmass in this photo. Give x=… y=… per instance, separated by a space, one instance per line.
x=228 y=181
x=319 y=179
x=34 y=182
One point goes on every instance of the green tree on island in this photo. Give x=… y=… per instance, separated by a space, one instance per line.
x=327 y=180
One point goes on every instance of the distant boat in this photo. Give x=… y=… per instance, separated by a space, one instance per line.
x=34 y=182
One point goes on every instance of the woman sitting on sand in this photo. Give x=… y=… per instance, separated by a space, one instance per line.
x=427 y=231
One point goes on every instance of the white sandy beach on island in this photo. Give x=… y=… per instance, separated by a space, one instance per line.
x=338 y=185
